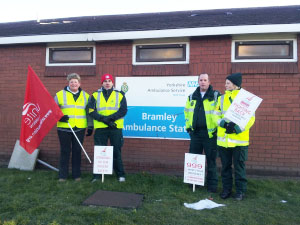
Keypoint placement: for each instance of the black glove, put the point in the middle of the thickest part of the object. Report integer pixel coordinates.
(112, 118)
(65, 119)
(229, 128)
(89, 131)
(189, 130)
(106, 120)
(112, 125)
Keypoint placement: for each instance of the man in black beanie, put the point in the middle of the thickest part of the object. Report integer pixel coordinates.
(232, 141)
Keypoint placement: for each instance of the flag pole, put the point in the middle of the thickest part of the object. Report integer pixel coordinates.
(79, 143)
(46, 164)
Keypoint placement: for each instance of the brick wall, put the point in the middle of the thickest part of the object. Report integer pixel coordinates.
(275, 137)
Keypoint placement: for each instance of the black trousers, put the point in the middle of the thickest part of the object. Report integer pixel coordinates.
(115, 136)
(199, 142)
(68, 144)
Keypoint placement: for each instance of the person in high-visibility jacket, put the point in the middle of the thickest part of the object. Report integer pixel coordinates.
(108, 106)
(201, 126)
(73, 102)
(232, 142)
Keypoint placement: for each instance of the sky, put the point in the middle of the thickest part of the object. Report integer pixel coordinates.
(22, 10)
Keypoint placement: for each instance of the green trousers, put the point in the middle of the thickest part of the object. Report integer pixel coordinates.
(199, 142)
(238, 155)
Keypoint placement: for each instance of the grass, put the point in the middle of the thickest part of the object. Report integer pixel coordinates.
(38, 198)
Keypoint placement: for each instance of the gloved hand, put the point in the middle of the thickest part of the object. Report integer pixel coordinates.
(237, 129)
(112, 125)
(189, 130)
(229, 128)
(64, 119)
(223, 123)
(89, 131)
(106, 120)
(111, 118)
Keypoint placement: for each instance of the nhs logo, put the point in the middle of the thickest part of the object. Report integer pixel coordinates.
(192, 84)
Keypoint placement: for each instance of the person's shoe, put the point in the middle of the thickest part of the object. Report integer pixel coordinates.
(212, 189)
(61, 180)
(239, 196)
(122, 179)
(77, 179)
(225, 194)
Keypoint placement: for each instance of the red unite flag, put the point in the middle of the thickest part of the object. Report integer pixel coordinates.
(40, 113)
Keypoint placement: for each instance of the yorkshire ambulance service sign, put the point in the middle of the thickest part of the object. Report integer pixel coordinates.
(156, 105)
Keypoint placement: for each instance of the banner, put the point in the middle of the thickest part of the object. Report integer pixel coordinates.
(156, 105)
(40, 113)
(194, 169)
(243, 108)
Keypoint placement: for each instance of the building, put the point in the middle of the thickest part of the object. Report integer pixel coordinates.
(261, 43)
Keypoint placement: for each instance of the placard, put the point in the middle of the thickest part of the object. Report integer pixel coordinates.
(103, 160)
(194, 169)
(243, 108)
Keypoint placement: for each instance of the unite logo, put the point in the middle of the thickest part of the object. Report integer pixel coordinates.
(31, 113)
(103, 152)
(247, 101)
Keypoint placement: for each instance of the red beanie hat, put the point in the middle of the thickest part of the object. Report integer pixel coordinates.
(107, 77)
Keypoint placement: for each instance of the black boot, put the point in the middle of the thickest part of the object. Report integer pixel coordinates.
(225, 194)
(239, 196)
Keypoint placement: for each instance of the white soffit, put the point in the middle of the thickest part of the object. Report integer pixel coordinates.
(168, 33)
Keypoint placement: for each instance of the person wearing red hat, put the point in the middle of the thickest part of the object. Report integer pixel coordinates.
(108, 106)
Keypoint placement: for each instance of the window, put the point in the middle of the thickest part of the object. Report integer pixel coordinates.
(160, 54)
(63, 56)
(276, 51)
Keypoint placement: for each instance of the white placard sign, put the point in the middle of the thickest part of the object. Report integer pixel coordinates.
(243, 108)
(103, 160)
(194, 169)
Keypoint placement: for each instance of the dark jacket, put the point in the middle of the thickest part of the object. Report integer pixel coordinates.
(199, 120)
(106, 93)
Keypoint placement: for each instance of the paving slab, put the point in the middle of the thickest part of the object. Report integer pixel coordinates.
(115, 199)
(20, 159)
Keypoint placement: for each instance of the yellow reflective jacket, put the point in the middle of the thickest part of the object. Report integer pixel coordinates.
(209, 106)
(230, 140)
(76, 110)
(109, 107)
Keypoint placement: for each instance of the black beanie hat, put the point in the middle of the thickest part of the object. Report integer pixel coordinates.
(235, 78)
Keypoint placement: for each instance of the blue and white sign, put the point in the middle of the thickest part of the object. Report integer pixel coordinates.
(156, 105)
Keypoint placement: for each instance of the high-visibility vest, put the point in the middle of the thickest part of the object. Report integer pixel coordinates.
(230, 140)
(209, 106)
(75, 110)
(109, 107)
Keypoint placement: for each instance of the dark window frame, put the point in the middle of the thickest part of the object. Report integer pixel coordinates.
(56, 49)
(160, 46)
(290, 43)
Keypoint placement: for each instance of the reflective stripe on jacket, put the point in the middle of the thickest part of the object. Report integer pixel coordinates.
(109, 107)
(209, 107)
(230, 140)
(75, 110)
